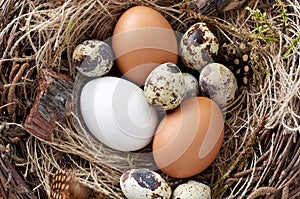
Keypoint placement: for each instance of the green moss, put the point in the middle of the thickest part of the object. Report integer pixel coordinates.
(291, 47)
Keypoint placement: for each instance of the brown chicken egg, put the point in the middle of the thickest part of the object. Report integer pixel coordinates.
(143, 39)
(188, 139)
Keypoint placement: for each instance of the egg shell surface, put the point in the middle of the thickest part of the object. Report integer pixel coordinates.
(198, 46)
(165, 87)
(192, 190)
(143, 39)
(191, 86)
(189, 138)
(93, 58)
(144, 183)
(218, 83)
(117, 113)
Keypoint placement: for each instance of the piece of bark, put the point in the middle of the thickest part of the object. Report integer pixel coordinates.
(52, 104)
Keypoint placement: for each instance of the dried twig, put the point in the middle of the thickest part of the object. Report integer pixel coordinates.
(262, 191)
(50, 32)
(11, 97)
(244, 153)
(247, 171)
(13, 72)
(14, 184)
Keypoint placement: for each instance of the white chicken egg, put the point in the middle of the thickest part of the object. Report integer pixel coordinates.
(165, 87)
(192, 190)
(218, 83)
(144, 183)
(117, 113)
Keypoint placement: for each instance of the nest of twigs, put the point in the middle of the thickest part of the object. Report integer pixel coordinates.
(260, 156)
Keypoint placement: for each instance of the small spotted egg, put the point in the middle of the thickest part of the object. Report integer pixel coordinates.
(165, 87)
(218, 83)
(198, 46)
(93, 58)
(191, 86)
(192, 190)
(144, 183)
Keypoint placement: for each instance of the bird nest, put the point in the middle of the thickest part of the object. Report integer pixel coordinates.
(260, 154)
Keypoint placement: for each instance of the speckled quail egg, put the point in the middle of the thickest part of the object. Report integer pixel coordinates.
(165, 87)
(93, 58)
(217, 82)
(198, 46)
(144, 183)
(192, 190)
(191, 86)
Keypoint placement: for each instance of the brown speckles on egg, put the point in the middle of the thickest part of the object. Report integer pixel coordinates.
(165, 87)
(154, 195)
(144, 183)
(196, 37)
(173, 68)
(198, 46)
(146, 179)
(218, 83)
(93, 58)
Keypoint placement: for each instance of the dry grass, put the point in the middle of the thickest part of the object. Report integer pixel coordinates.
(260, 155)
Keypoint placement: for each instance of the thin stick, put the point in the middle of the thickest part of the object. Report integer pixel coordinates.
(11, 92)
(262, 191)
